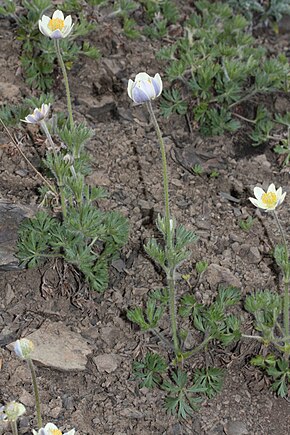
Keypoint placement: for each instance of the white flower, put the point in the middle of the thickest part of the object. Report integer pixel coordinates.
(12, 411)
(269, 200)
(56, 27)
(23, 348)
(52, 429)
(37, 115)
(144, 88)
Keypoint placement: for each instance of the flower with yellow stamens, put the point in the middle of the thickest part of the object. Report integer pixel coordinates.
(269, 200)
(52, 429)
(56, 27)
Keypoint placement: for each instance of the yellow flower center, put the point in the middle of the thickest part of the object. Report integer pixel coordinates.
(56, 24)
(269, 199)
(55, 432)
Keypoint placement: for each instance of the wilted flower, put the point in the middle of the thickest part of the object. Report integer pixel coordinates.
(37, 115)
(23, 348)
(12, 411)
(56, 27)
(144, 88)
(52, 429)
(269, 200)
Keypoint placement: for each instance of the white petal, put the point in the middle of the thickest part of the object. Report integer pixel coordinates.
(68, 21)
(58, 14)
(44, 29)
(279, 192)
(142, 76)
(271, 188)
(281, 199)
(258, 192)
(157, 78)
(45, 20)
(129, 88)
(254, 201)
(50, 426)
(66, 31)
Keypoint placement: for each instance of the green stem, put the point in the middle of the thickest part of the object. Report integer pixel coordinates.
(168, 238)
(62, 65)
(36, 393)
(172, 310)
(286, 281)
(62, 200)
(165, 175)
(197, 349)
(47, 134)
(14, 427)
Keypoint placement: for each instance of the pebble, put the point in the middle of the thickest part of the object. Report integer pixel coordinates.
(107, 362)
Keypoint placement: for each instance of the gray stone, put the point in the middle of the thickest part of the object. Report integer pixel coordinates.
(11, 215)
(108, 362)
(236, 428)
(56, 346)
(218, 275)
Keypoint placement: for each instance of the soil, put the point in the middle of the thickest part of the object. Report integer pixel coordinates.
(126, 161)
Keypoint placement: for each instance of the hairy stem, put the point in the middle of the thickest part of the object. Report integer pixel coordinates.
(165, 175)
(14, 429)
(47, 134)
(62, 65)
(286, 282)
(172, 310)
(36, 393)
(197, 349)
(168, 232)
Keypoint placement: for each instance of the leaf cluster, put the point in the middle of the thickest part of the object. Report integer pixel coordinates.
(183, 395)
(261, 11)
(218, 65)
(214, 320)
(170, 256)
(276, 368)
(85, 236)
(266, 307)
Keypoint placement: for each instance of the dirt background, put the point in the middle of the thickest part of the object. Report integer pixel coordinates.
(126, 161)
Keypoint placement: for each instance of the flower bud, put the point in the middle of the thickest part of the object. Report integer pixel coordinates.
(23, 348)
(144, 88)
(12, 411)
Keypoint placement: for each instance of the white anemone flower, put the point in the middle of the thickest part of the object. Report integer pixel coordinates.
(144, 88)
(56, 27)
(52, 429)
(269, 200)
(37, 115)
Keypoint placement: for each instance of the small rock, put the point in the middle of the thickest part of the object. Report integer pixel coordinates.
(131, 413)
(9, 294)
(107, 362)
(236, 428)
(102, 109)
(217, 275)
(58, 347)
(11, 216)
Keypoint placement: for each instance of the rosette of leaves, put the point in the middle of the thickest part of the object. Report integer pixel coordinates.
(85, 236)
(216, 66)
